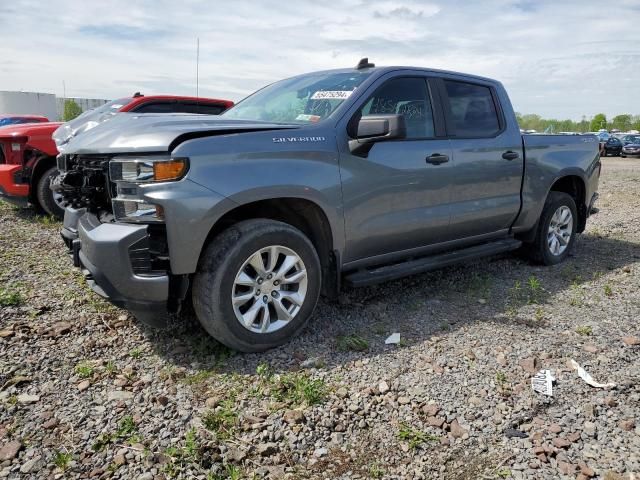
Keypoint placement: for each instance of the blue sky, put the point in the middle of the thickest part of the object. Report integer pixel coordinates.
(562, 59)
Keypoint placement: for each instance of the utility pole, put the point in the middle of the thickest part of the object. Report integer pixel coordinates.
(198, 67)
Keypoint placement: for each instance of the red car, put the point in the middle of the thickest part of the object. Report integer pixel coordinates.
(17, 119)
(28, 151)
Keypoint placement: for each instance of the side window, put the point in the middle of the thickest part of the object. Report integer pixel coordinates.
(474, 112)
(158, 107)
(212, 109)
(200, 108)
(406, 96)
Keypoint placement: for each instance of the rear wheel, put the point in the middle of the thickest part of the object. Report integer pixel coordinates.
(49, 201)
(556, 231)
(257, 285)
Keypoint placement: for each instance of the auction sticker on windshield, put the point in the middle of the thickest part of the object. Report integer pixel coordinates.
(331, 95)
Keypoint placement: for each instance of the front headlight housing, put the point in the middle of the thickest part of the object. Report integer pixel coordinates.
(129, 172)
(147, 169)
(137, 211)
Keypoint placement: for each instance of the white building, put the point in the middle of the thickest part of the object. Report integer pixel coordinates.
(47, 104)
(29, 103)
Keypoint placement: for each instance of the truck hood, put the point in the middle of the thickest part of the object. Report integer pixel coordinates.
(158, 132)
(29, 129)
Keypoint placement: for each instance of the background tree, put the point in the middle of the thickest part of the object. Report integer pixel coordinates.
(621, 122)
(598, 122)
(71, 110)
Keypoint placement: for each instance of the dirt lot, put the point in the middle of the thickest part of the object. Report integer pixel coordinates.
(88, 392)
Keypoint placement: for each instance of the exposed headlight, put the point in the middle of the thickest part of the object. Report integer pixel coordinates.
(147, 169)
(132, 210)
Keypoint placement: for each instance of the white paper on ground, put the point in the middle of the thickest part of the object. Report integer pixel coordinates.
(542, 382)
(394, 339)
(583, 374)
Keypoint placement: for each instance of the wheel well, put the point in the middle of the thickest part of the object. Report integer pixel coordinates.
(303, 214)
(574, 186)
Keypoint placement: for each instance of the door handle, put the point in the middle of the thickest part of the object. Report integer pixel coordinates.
(437, 159)
(509, 155)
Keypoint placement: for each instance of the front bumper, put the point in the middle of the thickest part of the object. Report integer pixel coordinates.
(103, 251)
(10, 190)
(631, 154)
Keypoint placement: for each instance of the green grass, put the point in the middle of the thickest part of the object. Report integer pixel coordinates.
(110, 368)
(62, 459)
(84, 370)
(415, 438)
(375, 471)
(584, 330)
(231, 472)
(300, 389)
(47, 220)
(608, 291)
(135, 353)
(354, 343)
(264, 371)
(503, 472)
(183, 456)
(126, 431)
(535, 289)
(10, 297)
(503, 384)
(199, 377)
(222, 421)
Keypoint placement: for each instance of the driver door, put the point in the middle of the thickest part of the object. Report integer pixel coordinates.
(396, 199)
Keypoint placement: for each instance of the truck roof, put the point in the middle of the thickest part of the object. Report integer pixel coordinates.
(140, 99)
(386, 69)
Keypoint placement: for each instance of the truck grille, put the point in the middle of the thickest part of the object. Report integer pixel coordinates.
(84, 182)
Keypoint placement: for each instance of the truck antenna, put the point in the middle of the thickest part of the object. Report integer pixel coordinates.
(364, 63)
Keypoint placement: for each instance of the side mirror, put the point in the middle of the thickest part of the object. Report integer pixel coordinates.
(376, 128)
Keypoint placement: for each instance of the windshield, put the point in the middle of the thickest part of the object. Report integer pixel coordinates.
(87, 121)
(109, 108)
(301, 100)
(632, 139)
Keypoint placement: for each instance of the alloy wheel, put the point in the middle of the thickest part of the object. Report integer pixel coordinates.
(269, 289)
(560, 230)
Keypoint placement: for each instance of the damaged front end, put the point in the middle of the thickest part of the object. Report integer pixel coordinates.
(123, 255)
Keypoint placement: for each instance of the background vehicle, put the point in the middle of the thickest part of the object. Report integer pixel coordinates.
(354, 176)
(18, 119)
(631, 150)
(612, 146)
(28, 152)
(627, 139)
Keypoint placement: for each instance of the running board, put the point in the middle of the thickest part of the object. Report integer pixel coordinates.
(424, 264)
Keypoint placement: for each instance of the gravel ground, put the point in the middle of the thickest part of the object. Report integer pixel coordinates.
(87, 392)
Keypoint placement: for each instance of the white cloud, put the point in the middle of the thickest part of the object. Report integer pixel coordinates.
(560, 59)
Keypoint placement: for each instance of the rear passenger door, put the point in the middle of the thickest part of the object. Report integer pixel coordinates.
(487, 160)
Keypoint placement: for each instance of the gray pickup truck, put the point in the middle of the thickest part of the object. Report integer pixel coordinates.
(352, 176)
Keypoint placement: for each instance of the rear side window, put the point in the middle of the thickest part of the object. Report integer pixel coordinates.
(200, 108)
(157, 107)
(473, 109)
(406, 96)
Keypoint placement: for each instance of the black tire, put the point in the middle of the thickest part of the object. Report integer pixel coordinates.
(223, 258)
(539, 250)
(44, 195)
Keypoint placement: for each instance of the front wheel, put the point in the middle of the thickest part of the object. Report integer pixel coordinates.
(556, 231)
(48, 200)
(257, 284)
